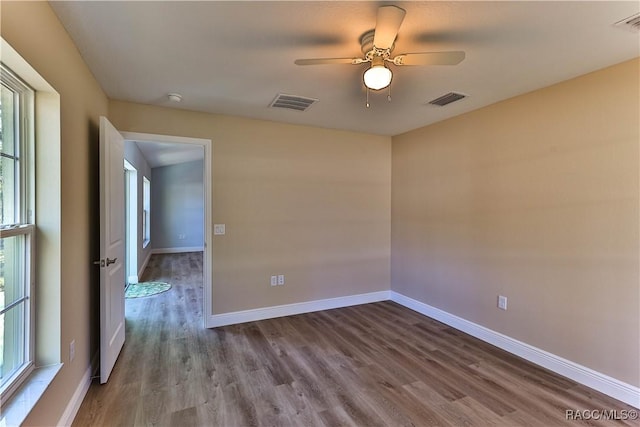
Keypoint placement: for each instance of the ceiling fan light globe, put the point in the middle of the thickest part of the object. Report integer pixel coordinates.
(377, 77)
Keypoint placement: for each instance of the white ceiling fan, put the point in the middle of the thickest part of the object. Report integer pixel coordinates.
(377, 45)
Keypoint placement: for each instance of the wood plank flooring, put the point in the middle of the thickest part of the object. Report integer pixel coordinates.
(370, 365)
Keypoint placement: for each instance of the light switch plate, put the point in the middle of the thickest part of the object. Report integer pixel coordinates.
(502, 302)
(218, 229)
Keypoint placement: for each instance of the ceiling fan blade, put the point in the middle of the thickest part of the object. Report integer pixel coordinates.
(387, 25)
(429, 58)
(320, 61)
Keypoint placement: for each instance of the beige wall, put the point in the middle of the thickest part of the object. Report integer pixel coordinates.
(535, 198)
(34, 31)
(310, 203)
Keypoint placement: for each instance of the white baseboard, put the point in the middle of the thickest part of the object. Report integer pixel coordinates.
(132, 279)
(73, 406)
(292, 309)
(177, 250)
(603, 383)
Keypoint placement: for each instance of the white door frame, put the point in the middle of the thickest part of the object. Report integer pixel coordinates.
(207, 264)
(131, 215)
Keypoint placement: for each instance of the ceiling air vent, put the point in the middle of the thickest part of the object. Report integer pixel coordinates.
(447, 99)
(631, 23)
(292, 102)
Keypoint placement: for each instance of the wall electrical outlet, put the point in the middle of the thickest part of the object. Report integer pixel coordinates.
(281, 279)
(274, 280)
(182, 236)
(502, 302)
(72, 350)
(219, 229)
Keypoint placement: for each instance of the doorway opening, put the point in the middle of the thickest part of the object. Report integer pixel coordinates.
(180, 220)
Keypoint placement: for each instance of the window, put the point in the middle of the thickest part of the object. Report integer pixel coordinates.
(146, 211)
(17, 230)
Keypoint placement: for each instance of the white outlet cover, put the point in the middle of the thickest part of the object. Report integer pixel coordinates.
(218, 229)
(502, 302)
(274, 280)
(281, 279)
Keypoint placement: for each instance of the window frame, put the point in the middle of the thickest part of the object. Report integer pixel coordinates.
(23, 221)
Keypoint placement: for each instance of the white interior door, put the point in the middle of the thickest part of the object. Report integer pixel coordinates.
(112, 247)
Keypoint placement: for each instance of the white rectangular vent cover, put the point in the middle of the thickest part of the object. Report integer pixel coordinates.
(447, 99)
(631, 23)
(292, 102)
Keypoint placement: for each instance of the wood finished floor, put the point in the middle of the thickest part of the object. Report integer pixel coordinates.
(370, 365)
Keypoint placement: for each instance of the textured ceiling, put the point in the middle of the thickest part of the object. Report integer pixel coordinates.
(235, 57)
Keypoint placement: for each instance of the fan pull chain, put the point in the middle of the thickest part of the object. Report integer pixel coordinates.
(388, 97)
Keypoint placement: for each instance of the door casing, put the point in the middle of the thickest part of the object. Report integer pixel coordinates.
(207, 265)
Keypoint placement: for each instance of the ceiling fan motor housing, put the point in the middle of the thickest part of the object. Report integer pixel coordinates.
(368, 49)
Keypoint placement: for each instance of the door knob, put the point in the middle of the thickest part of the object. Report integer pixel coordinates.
(111, 261)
